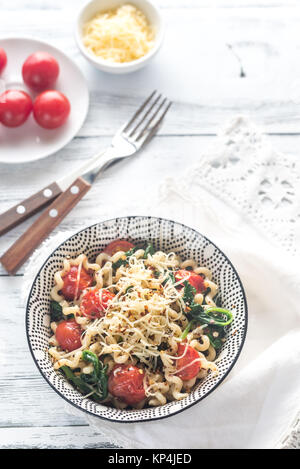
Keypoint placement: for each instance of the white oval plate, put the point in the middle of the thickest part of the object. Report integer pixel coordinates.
(30, 142)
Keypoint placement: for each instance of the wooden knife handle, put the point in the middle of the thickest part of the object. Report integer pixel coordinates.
(20, 212)
(19, 252)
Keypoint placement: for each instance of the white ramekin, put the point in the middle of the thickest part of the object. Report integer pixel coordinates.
(97, 6)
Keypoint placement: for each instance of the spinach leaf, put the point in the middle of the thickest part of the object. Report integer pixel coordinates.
(215, 335)
(149, 250)
(121, 261)
(202, 318)
(212, 315)
(56, 313)
(170, 277)
(215, 317)
(197, 314)
(99, 376)
(95, 382)
(215, 342)
(81, 385)
(92, 358)
(188, 293)
(131, 251)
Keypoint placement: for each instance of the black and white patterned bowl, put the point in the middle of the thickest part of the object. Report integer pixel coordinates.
(167, 236)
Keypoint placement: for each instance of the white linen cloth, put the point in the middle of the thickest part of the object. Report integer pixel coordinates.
(231, 192)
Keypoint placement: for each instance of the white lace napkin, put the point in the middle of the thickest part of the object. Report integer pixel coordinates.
(245, 197)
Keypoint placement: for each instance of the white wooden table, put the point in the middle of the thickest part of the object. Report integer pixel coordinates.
(207, 43)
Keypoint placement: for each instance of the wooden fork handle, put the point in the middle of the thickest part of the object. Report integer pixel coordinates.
(19, 252)
(20, 212)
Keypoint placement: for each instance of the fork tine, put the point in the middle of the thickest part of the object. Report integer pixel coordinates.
(151, 133)
(140, 109)
(144, 116)
(147, 127)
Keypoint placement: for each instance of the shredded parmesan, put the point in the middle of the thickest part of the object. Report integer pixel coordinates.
(119, 35)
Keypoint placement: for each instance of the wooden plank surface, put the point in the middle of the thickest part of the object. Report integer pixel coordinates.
(199, 70)
(165, 156)
(198, 65)
(75, 437)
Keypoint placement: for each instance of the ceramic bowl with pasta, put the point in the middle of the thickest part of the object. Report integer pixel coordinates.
(136, 318)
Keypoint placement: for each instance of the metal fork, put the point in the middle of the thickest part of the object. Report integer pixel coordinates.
(127, 141)
(134, 134)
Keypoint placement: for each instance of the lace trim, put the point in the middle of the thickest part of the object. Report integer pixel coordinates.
(291, 439)
(249, 176)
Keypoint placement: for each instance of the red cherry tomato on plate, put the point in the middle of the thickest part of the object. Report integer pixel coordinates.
(74, 286)
(192, 369)
(94, 302)
(127, 383)
(15, 107)
(51, 109)
(3, 59)
(197, 281)
(40, 71)
(118, 245)
(68, 334)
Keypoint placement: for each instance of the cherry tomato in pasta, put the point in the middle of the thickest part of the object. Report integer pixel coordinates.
(75, 282)
(68, 334)
(127, 383)
(94, 302)
(3, 59)
(188, 367)
(15, 107)
(197, 281)
(40, 71)
(118, 245)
